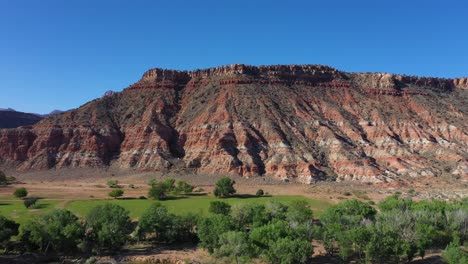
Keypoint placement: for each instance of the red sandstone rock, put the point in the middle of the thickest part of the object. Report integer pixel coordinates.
(287, 121)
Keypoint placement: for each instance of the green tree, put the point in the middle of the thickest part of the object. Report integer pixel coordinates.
(343, 226)
(276, 210)
(217, 207)
(210, 229)
(159, 225)
(288, 251)
(58, 231)
(235, 245)
(453, 254)
(116, 193)
(299, 212)
(169, 184)
(8, 228)
(108, 227)
(383, 245)
(259, 192)
(263, 236)
(158, 191)
(20, 192)
(224, 187)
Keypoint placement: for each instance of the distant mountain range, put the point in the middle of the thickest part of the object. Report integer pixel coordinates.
(10, 118)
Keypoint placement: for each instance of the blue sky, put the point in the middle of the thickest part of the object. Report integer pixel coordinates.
(57, 54)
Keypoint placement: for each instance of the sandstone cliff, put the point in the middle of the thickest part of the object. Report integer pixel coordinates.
(306, 122)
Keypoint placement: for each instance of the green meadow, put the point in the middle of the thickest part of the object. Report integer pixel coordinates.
(14, 209)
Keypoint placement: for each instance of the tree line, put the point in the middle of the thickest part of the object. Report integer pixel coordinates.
(397, 230)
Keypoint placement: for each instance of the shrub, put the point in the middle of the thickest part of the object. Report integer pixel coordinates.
(235, 245)
(183, 187)
(8, 228)
(453, 254)
(209, 231)
(259, 192)
(113, 183)
(151, 182)
(116, 193)
(224, 187)
(288, 250)
(108, 227)
(158, 191)
(20, 192)
(166, 227)
(131, 186)
(29, 202)
(217, 207)
(199, 190)
(59, 231)
(3, 178)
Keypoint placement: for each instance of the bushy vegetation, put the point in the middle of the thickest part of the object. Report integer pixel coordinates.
(58, 231)
(20, 192)
(107, 228)
(397, 231)
(402, 230)
(217, 207)
(8, 229)
(162, 190)
(116, 193)
(113, 183)
(3, 178)
(30, 202)
(224, 187)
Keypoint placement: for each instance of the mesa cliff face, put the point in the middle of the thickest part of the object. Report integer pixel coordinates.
(306, 122)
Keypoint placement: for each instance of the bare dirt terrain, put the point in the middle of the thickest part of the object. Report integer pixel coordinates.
(73, 184)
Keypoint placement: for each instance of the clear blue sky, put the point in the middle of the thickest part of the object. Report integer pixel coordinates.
(60, 54)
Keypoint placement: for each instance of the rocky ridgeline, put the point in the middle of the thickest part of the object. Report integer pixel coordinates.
(304, 122)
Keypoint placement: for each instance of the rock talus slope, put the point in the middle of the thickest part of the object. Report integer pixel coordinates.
(306, 122)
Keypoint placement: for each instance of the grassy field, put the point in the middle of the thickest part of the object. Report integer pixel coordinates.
(180, 205)
(15, 210)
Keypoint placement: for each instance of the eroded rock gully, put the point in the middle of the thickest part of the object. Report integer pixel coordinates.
(306, 122)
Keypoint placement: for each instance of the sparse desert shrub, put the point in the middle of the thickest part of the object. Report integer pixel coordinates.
(116, 193)
(259, 192)
(3, 178)
(347, 194)
(131, 186)
(20, 192)
(142, 197)
(199, 190)
(113, 183)
(183, 187)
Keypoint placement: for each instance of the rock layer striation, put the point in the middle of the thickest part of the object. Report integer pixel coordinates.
(307, 122)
